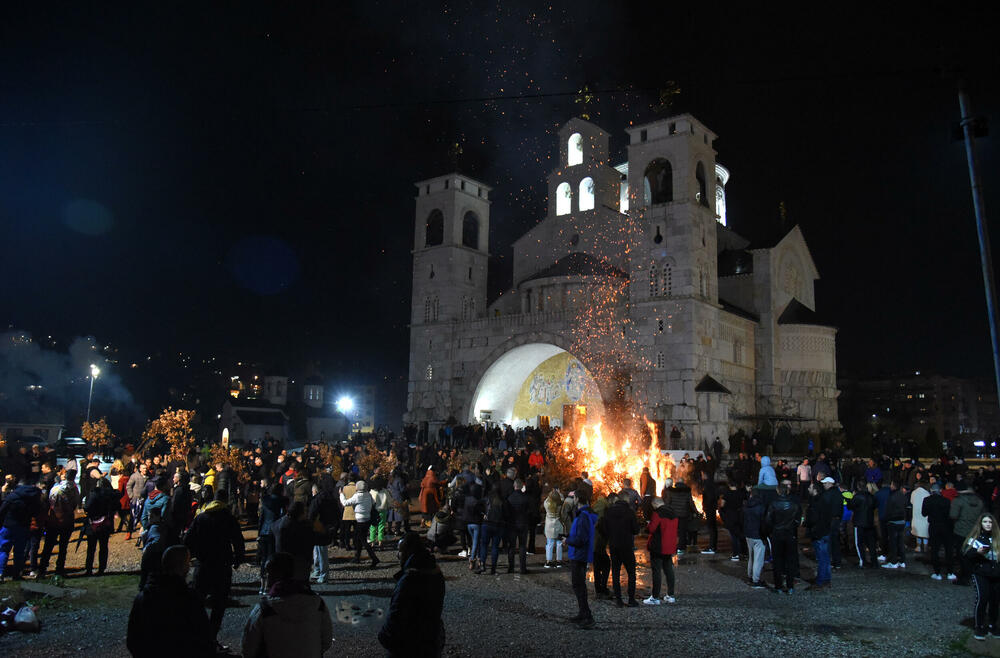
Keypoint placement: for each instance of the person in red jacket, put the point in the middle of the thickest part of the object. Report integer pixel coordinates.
(662, 545)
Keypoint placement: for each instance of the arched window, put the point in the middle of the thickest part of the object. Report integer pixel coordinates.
(654, 281)
(427, 309)
(587, 193)
(435, 229)
(658, 183)
(666, 280)
(659, 359)
(574, 155)
(470, 230)
(699, 175)
(435, 307)
(564, 199)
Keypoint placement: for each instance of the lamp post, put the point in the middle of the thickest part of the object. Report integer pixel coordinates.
(94, 373)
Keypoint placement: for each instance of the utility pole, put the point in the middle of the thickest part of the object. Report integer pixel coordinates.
(969, 124)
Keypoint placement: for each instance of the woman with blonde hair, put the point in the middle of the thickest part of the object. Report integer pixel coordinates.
(980, 548)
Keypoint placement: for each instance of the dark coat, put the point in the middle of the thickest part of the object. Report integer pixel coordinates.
(168, 620)
(413, 625)
(782, 518)
(20, 506)
(753, 516)
(518, 509)
(936, 507)
(863, 507)
(215, 537)
(680, 501)
(620, 526)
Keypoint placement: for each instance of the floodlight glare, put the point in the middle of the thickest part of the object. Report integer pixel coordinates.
(94, 370)
(345, 405)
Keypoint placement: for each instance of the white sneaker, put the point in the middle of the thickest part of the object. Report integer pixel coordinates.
(936, 576)
(708, 551)
(890, 565)
(952, 576)
(651, 601)
(881, 558)
(735, 558)
(901, 565)
(463, 554)
(669, 599)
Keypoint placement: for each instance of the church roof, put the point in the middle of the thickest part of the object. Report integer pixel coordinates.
(261, 416)
(709, 385)
(578, 264)
(736, 310)
(798, 313)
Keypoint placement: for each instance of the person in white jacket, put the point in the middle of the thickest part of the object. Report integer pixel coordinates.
(376, 535)
(363, 504)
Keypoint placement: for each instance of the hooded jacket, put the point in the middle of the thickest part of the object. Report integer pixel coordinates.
(156, 500)
(581, 535)
(766, 476)
(290, 621)
(753, 516)
(215, 536)
(936, 507)
(63, 501)
(20, 506)
(362, 504)
(665, 523)
(965, 511)
(413, 625)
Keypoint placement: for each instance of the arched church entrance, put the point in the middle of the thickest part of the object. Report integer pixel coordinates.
(536, 384)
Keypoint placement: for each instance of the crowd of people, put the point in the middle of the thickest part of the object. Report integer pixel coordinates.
(477, 504)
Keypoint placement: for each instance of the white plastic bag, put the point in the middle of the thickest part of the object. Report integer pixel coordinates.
(26, 620)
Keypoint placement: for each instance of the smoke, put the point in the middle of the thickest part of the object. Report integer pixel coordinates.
(48, 386)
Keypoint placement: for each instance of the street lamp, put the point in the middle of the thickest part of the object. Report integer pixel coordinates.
(94, 373)
(345, 405)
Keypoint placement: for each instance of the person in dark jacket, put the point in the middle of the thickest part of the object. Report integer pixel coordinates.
(980, 548)
(413, 625)
(272, 508)
(180, 508)
(679, 499)
(492, 531)
(16, 512)
(825, 507)
(216, 540)
(325, 507)
(101, 505)
(782, 521)
(168, 619)
(518, 518)
(936, 507)
(620, 527)
(862, 507)
(294, 534)
(895, 518)
(732, 517)
(63, 501)
(753, 518)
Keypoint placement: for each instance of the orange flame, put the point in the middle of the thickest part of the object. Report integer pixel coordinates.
(609, 461)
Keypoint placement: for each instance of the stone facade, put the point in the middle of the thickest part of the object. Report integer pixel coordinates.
(633, 272)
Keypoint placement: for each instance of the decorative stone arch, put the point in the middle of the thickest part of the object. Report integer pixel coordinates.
(471, 229)
(467, 396)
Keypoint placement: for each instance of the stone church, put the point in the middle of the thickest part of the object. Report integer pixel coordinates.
(631, 294)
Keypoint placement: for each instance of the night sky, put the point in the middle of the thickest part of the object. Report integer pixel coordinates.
(237, 181)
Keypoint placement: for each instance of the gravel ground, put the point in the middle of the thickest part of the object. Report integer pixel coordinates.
(865, 613)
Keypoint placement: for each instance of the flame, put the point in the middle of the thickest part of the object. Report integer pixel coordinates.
(609, 461)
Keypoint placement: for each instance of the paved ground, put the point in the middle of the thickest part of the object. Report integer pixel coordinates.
(872, 612)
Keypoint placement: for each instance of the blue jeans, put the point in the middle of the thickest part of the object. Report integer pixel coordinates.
(549, 545)
(822, 548)
(321, 562)
(473, 529)
(491, 542)
(15, 539)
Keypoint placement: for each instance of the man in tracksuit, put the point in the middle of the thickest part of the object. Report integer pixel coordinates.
(863, 508)
(936, 507)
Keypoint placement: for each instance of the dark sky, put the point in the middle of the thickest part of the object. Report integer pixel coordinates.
(237, 181)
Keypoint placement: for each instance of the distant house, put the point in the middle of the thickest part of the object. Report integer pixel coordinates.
(250, 423)
(28, 432)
